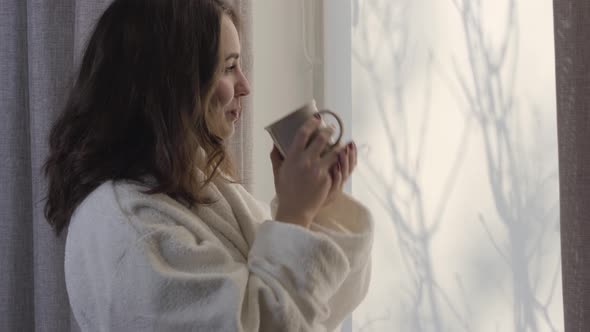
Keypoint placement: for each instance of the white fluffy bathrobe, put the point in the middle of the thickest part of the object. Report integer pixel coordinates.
(137, 262)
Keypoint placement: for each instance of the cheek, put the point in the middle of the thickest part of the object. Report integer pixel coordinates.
(224, 92)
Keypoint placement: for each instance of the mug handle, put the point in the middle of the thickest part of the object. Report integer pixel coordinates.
(340, 125)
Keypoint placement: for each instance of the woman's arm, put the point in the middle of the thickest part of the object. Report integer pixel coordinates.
(170, 280)
(350, 225)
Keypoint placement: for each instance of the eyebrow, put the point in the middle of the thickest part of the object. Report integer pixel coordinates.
(232, 55)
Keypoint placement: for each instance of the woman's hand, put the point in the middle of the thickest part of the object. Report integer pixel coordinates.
(341, 170)
(305, 180)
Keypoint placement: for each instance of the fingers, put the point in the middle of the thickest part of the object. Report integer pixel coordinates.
(320, 141)
(277, 160)
(275, 155)
(344, 158)
(303, 135)
(345, 155)
(353, 156)
(332, 156)
(336, 178)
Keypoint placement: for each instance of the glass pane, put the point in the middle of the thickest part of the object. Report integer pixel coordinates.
(454, 109)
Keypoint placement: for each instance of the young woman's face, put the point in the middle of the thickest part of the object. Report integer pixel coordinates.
(232, 85)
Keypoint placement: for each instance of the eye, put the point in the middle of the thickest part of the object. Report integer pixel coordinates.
(230, 69)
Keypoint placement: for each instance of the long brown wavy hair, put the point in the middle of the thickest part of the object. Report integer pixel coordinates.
(141, 105)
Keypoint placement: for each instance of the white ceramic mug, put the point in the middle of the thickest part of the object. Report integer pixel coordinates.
(283, 131)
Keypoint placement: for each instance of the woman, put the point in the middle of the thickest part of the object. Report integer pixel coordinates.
(160, 237)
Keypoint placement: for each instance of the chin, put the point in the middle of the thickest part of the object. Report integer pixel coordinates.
(230, 135)
(228, 131)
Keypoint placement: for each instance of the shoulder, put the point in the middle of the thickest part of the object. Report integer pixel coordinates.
(112, 200)
(122, 203)
(97, 208)
(114, 217)
(106, 214)
(98, 220)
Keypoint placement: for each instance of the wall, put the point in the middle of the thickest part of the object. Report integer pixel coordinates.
(283, 78)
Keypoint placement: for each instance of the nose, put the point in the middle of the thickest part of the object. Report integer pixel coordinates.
(242, 86)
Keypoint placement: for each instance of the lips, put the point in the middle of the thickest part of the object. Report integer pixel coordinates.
(235, 113)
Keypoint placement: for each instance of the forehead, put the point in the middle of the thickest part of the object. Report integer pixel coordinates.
(230, 41)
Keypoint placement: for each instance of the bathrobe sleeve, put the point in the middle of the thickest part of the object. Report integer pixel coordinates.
(293, 279)
(349, 224)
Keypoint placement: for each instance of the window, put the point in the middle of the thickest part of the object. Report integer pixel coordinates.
(453, 104)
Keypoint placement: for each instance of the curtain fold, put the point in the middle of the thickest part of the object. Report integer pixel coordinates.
(15, 214)
(572, 62)
(40, 43)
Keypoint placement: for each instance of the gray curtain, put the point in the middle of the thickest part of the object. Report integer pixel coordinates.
(40, 44)
(572, 60)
